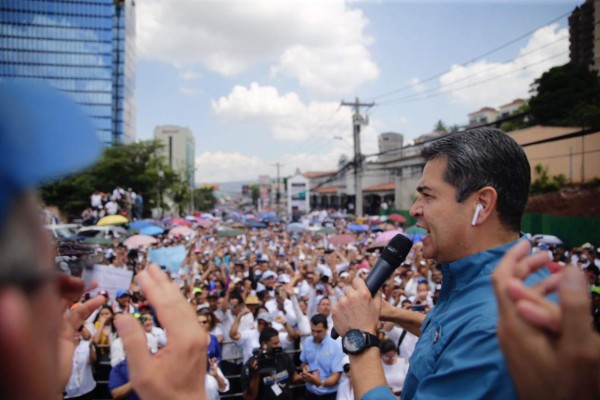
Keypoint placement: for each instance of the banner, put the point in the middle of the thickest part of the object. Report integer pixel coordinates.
(109, 278)
(170, 257)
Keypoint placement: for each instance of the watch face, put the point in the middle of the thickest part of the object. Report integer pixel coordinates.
(353, 341)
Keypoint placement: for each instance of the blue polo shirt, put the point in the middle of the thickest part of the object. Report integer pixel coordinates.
(327, 357)
(458, 354)
(119, 375)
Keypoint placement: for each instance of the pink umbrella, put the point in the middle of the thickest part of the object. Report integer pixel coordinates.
(181, 230)
(337, 240)
(136, 241)
(396, 218)
(179, 221)
(384, 237)
(205, 223)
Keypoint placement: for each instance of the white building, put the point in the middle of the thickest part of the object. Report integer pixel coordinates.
(508, 109)
(482, 117)
(179, 149)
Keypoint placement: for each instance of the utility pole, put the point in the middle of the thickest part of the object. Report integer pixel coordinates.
(357, 121)
(278, 192)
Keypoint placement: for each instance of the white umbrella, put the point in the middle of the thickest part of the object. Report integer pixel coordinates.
(550, 240)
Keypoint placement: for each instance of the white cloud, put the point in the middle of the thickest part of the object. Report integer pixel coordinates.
(224, 167)
(416, 85)
(190, 74)
(220, 166)
(190, 91)
(507, 81)
(286, 116)
(320, 43)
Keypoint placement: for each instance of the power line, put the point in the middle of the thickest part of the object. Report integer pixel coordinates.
(493, 67)
(413, 97)
(487, 53)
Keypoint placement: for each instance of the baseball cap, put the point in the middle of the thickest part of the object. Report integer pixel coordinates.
(267, 275)
(265, 317)
(43, 135)
(121, 293)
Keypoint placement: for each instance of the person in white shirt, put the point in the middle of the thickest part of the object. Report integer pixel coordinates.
(159, 334)
(111, 207)
(394, 367)
(82, 381)
(215, 382)
(345, 390)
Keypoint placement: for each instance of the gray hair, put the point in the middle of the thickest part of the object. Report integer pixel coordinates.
(486, 157)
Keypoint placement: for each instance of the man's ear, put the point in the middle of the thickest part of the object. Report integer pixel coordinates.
(487, 197)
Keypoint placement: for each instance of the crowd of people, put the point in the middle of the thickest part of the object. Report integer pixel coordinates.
(118, 202)
(488, 326)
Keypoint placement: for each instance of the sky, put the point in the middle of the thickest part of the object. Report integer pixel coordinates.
(261, 82)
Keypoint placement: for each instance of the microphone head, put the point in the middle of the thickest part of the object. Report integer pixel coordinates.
(397, 250)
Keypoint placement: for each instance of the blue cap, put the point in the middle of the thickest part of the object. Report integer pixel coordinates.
(121, 293)
(43, 135)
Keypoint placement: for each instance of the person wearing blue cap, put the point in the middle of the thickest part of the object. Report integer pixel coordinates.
(45, 135)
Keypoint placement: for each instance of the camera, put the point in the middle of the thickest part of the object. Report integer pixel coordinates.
(265, 358)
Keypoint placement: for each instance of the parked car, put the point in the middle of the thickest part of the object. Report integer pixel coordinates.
(63, 231)
(111, 231)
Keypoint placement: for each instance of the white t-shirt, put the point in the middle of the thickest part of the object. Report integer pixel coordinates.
(81, 380)
(345, 391)
(96, 200)
(395, 373)
(111, 208)
(248, 341)
(407, 347)
(211, 386)
(160, 336)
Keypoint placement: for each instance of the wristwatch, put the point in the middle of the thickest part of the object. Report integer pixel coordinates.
(356, 341)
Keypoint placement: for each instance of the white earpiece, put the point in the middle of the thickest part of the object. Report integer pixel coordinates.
(478, 209)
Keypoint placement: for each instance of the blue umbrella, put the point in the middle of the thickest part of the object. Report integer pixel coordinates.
(358, 228)
(255, 224)
(151, 231)
(140, 224)
(295, 227)
(266, 215)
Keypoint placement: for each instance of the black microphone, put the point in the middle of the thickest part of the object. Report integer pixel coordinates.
(391, 257)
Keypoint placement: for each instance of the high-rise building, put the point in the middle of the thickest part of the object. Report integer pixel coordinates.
(84, 47)
(179, 149)
(584, 35)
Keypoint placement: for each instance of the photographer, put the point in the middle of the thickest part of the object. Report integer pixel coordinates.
(269, 372)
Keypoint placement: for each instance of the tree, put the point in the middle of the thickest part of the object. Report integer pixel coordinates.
(139, 166)
(204, 198)
(568, 95)
(440, 127)
(255, 193)
(519, 122)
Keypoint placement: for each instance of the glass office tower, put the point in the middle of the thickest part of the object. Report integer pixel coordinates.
(82, 47)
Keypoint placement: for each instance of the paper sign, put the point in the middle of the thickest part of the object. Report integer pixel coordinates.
(171, 257)
(109, 278)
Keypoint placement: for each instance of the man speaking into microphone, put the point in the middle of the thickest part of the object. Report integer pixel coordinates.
(472, 196)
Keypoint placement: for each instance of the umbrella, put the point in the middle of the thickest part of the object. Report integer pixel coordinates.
(295, 227)
(266, 215)
(229, 233)
(327, 231)
(396, 218)
(338, 240)
(250, 216)
(190, 218)
(151, 231)
(112, 220)
(99, 240)
(142, 223)
(136, 241)
(550, 240)
(255, 224)
(181, 230)
(207, 216)
(415, 230)
(384, 237)
(179, 221)
(205, 223)
(358, 228)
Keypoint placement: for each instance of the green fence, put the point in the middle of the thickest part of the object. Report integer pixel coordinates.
(574, 231)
